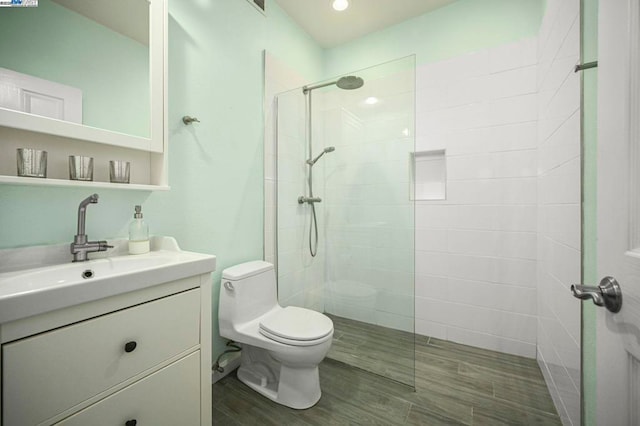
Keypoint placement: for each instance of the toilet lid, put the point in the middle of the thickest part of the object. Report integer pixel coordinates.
(297, 324)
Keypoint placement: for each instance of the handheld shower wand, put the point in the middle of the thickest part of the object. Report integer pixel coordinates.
(326, 150)
(302, 199)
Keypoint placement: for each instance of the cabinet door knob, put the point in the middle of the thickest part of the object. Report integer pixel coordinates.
(133, 422)
(130, 347)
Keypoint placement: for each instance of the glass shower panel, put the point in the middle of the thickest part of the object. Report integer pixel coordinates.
(300, 275)
(362, 275)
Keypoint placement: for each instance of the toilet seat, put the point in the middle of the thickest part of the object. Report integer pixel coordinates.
(297, 326)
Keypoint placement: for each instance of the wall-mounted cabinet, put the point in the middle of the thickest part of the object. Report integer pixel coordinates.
(114, 53)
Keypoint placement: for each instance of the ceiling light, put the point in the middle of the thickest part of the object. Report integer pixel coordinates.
(371, 101)
(340, 5)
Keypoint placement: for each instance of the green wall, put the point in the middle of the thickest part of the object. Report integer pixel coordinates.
(57, 44)
(589, 31)
(215, 167)
(464, 26)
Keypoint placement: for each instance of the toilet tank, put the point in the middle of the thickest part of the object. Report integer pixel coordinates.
(247, 291)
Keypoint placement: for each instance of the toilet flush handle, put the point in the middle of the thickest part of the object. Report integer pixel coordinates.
(229, 286)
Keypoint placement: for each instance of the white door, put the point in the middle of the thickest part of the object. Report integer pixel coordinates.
(618, 335)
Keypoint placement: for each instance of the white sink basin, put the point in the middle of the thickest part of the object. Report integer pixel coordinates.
(32, 291)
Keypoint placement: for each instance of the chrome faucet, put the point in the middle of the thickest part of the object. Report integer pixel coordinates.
(80, 247)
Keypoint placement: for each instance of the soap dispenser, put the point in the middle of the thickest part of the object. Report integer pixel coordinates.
(138, 234)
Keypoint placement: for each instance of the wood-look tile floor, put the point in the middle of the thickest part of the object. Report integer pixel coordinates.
(454, 385)
(384, 351)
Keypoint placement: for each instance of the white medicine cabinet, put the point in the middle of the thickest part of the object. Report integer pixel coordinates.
(112, 52)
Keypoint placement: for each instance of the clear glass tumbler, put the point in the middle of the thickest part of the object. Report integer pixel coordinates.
(32, 162)
(80, 168)
(119, 171)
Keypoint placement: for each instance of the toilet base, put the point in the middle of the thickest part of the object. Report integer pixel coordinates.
(291, 386)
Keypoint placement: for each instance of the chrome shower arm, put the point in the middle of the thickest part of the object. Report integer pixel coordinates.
(306, 89)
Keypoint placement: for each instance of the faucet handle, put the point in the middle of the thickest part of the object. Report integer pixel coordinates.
(103, 246)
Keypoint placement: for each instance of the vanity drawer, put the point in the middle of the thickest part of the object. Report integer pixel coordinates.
(46, 374)
(169, 397)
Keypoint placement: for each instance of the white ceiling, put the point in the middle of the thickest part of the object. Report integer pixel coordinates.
(330, 28)
(129, 18)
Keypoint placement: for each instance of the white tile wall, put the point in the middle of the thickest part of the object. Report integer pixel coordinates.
(368, 213)
(476, 251)
(505, 244)
(558, 331)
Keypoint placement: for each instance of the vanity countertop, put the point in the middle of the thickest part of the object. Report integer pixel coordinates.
(35, 280)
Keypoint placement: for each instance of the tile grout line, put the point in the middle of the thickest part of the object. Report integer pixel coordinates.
(406, 417)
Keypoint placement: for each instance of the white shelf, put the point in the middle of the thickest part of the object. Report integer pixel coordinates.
(16, 180)
(50, 126)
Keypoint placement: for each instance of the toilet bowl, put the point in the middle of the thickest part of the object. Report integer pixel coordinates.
(281, 347)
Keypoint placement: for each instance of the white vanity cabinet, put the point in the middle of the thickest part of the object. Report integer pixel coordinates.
(167, 397)
(137, 358)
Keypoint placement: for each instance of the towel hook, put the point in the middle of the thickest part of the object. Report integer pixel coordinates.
(188, 120)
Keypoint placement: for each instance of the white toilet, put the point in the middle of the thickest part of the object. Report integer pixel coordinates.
(281, 347)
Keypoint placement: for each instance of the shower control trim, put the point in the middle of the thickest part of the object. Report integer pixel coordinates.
(302, 199)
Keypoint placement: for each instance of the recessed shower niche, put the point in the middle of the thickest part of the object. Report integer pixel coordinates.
(428, 175)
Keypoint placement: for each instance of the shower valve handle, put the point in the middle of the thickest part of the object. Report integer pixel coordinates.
(302, 199)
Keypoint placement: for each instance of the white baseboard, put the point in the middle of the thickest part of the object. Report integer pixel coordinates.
(229, 363)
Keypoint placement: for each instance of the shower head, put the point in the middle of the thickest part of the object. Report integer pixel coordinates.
(349, 82)
(325, 151)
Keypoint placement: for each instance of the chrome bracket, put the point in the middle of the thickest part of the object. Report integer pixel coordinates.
(585, 66)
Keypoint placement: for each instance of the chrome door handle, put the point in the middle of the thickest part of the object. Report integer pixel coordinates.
(607, 294)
